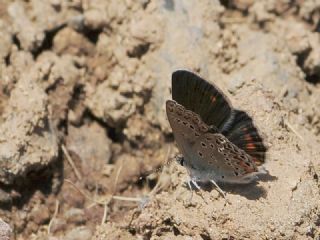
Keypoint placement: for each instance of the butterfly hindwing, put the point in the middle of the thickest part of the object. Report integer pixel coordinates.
(242, 132)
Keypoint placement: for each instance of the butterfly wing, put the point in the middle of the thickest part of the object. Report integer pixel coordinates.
(183, 124)
(208, 155)
(228, 162)
(214, 108)
(201, 97)
(242, 132)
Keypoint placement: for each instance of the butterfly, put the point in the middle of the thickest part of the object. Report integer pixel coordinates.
(218, 143)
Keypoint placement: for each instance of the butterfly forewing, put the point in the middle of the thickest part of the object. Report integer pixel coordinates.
(184, 126)
(201, 97)
(211, 153)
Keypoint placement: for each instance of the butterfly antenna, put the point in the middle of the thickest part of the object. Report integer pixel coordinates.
(159, 169)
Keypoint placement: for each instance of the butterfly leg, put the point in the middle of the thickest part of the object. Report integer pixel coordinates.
(194, 182)
(218, 188)
(189, 184)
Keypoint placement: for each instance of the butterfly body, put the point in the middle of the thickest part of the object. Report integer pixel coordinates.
(208, 153)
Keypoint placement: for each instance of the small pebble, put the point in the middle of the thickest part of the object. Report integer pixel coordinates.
(79, 233)
(75, 216)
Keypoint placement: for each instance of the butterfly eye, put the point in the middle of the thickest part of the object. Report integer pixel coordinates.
(180, 160)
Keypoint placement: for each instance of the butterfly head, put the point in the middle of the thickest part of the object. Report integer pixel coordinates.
(180, 160)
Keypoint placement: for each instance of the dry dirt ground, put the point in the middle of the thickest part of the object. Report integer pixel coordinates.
(83, 85)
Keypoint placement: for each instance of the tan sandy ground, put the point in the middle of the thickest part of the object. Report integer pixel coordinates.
(83, 87)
